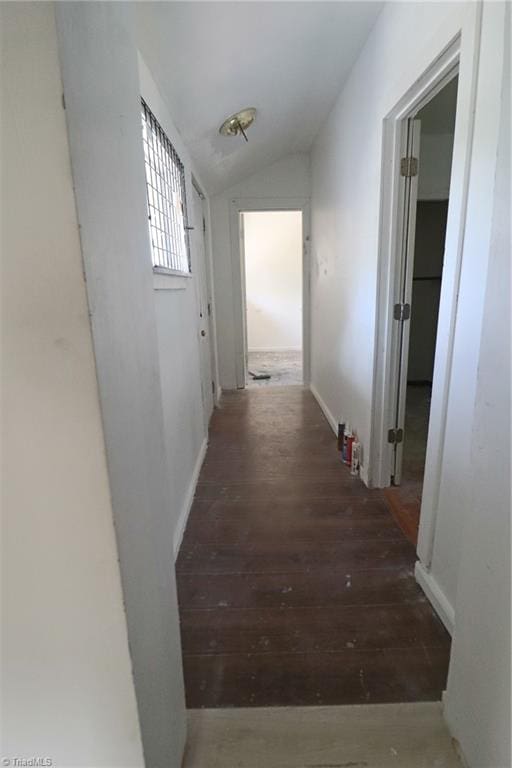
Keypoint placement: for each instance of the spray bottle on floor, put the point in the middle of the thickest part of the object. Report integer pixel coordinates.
(355, 464)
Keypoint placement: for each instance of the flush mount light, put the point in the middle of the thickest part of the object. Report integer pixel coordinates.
(238, 123)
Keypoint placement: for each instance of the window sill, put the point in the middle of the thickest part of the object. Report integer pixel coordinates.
(166, 280)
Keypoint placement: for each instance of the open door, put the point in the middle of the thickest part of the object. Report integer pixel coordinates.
(409, 165)
(204, 309)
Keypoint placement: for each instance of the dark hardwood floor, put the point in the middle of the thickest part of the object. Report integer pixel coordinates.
(404, 500)
(296, 586)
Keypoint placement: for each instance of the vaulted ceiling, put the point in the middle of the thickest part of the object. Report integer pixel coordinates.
(287, 59)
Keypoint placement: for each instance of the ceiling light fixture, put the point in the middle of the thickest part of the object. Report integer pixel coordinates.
(238, 123)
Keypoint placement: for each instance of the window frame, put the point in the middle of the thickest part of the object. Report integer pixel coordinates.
(169, 179)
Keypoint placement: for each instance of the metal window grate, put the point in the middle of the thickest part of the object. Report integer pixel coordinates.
(167, 205)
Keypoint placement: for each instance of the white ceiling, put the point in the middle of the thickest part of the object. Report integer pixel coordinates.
(287, 59)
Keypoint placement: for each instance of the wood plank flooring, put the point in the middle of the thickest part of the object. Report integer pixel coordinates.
(295, 584)
(404, 501)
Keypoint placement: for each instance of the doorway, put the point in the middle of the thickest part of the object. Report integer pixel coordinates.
(238, 209)
(272, 276)
(428, 138)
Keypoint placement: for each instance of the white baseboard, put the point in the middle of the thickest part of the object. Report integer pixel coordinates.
(219, 395)
(185, 510)
(363, 473)
(328, 415)
(436, 596)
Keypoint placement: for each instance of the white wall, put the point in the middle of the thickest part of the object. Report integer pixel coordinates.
(68, 691)
(273, 276)
(177, 313)
(477, 702)
(457, 472)
(285, 179)
(101, 85)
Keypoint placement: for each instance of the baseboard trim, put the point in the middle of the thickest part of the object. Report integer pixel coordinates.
(325, 410)
(436, 596)
(187, 504)
(363, 473)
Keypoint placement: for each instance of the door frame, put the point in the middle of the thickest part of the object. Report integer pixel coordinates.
(202, 284)
(400, 330)
(444, 68)
(208, 252)
(262, 204)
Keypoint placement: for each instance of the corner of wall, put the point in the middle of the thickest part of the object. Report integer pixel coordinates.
(435, 594)
(189, 498)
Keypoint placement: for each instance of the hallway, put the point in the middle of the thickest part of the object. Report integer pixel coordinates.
(214, 589)
(296, 586)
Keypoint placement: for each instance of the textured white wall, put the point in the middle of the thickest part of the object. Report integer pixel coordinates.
(68, 690)
(287, 178)
(457, 470)
(101, 85)
(477, 702)
(273, 276)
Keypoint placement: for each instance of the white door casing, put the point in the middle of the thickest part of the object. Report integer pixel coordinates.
(244, 295)
(203, 308)
(457, 59)
(403, 297)
(238, 207)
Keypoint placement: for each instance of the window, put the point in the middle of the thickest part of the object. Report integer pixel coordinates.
(167, 206)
